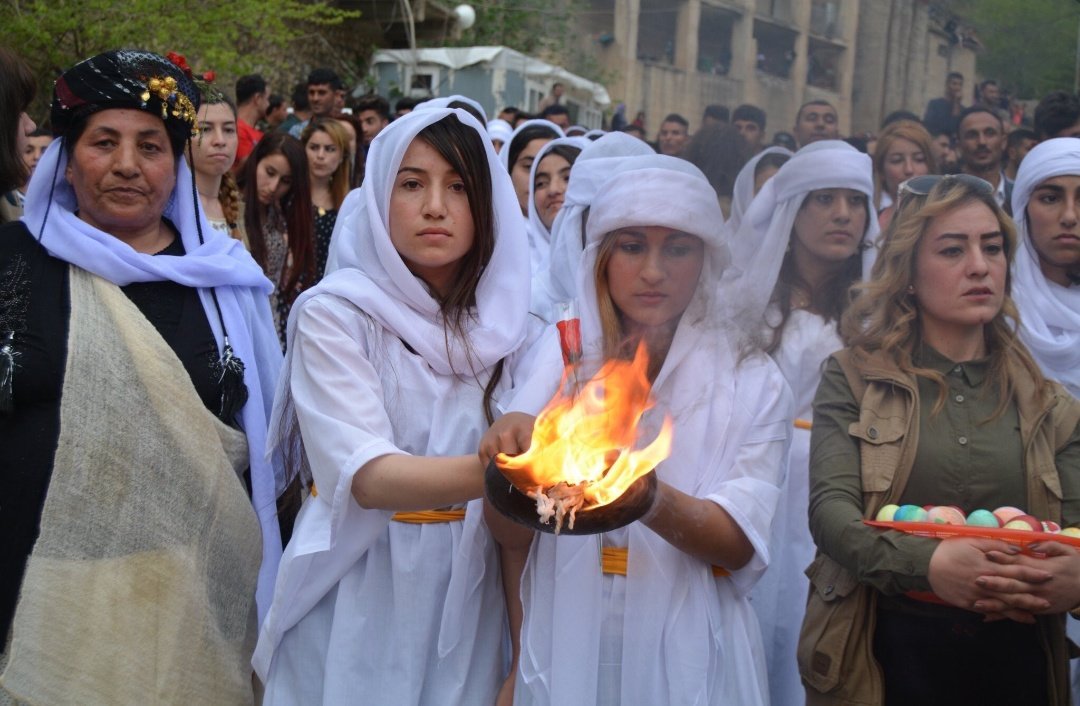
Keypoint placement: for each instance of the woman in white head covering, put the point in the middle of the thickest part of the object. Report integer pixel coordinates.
(456, 101)
(1047, 266)
(549, 180)
(750, 180)
(675, 626)
(518, 154)
(500, 132)
(600, 160)
(395, 359)
(799, 249)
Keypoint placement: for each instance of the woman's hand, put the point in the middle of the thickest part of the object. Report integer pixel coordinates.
(1061, 591)
(959, 568)
(511, 434)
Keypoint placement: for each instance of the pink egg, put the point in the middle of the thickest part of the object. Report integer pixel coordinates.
(946, 515)
(1007, 514)
(1051, 526)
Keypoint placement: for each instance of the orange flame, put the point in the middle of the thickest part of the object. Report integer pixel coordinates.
(589, 438)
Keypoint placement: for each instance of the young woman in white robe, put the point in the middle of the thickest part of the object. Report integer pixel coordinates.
(808, 227)
(677, 628)
(518, 154)
(1046, 271)
(750, 180)
(549, 178)
(392, 360)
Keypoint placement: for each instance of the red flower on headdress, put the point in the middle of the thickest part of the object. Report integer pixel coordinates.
(209, 76)
(180, 62)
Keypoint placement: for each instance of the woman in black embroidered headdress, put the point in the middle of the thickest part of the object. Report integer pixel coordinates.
(138, 359)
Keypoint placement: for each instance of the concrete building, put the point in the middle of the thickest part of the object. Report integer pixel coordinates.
(905, 51)
(866, 57)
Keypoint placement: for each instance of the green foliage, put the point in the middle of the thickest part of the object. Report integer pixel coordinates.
(530, 26)
(546, 29)
(1030, 45)
(231, 37)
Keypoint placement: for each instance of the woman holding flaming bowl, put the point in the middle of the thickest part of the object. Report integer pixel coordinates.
(656, 612)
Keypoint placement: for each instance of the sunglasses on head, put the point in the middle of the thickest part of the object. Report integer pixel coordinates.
(923, 185)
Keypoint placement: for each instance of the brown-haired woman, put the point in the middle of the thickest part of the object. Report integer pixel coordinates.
(16, 92)
(279, 221)
(326, 143)
(904, 150)
(212, 155)
(394, 360)
(936, 401)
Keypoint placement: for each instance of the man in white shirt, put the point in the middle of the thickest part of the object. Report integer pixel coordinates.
(980, 140)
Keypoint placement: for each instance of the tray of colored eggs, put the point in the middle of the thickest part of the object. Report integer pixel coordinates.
(1008, 524)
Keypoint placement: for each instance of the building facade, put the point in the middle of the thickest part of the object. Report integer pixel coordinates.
(866, 57)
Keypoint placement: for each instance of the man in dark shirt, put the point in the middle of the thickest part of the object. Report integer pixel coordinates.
(943, 114)
(1058, 115)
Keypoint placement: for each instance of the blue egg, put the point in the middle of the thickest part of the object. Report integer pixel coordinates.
(911, 513)
(982, 518)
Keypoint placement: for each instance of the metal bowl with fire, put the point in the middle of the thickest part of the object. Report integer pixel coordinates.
(584, 472)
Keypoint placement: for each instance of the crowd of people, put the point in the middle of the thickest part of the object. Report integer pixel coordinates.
(255, 360)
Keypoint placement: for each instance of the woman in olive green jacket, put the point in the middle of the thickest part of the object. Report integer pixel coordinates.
(936, 401)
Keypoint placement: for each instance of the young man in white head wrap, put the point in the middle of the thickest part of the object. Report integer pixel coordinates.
(676, 627)
(797, 249)
(394, 360)
(1047, 267)
(1046, 271)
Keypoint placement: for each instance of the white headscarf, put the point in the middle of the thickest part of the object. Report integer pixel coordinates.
(445, 101)
(743, 192)
(539, 234)
(759, 244)
(499, 129)
(504, 153)
(365, 268)
(220, 263)
(595, 165)
(1049, 313)
(674, 608)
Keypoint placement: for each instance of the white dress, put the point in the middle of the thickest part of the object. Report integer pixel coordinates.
(381, 588)
(669, 632)
(779, 598)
